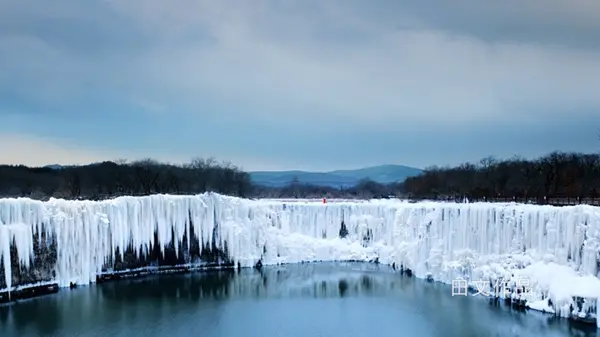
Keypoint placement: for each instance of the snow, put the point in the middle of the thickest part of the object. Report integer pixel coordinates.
(555, 248)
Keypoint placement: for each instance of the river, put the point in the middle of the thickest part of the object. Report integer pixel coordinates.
(304, 300)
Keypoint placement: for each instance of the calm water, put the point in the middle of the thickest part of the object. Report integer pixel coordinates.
(306, 300)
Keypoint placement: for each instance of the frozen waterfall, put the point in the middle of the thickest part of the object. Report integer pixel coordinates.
(555, 248)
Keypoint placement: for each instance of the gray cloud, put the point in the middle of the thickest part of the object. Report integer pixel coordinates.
(570, 23)
(385, 74)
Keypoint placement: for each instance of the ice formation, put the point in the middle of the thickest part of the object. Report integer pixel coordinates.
(555, 248)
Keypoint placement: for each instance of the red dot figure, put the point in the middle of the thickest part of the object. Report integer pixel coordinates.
(324, 201)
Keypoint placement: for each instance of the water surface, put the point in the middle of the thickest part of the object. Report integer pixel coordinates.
(328, 300)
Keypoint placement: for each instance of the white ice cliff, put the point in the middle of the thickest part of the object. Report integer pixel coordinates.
(555, 248)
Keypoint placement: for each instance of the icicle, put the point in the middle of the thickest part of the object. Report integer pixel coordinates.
(440, 240)
(22, 237)
(5, 254)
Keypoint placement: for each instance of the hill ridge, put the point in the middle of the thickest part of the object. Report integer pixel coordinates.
(385, 174)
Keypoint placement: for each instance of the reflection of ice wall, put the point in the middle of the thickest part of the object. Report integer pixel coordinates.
(556, 248)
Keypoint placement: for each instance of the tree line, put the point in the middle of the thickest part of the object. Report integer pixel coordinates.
(112, 179)
(364, 189)
(557, 175)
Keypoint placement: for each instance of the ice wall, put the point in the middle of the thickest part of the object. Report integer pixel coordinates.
(555, 248)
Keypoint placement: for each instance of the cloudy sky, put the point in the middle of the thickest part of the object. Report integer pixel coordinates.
(311, 84)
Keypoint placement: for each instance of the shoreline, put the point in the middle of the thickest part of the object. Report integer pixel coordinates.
(79, 243)
(34, 291)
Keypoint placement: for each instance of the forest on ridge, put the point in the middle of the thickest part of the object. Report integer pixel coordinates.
(557, 175)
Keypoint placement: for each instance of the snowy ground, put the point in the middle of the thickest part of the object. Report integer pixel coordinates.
(554, 249)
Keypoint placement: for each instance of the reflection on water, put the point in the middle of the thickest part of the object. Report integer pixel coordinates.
(295, 300)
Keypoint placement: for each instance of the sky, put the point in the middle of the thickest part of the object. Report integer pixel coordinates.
(297, 84)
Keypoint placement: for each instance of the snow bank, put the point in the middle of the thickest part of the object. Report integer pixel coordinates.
(555, 248)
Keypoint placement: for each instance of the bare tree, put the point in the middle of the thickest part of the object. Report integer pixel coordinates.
(557, 175)
(74, 185)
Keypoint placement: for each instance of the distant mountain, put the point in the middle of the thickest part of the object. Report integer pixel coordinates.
(384, 174)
